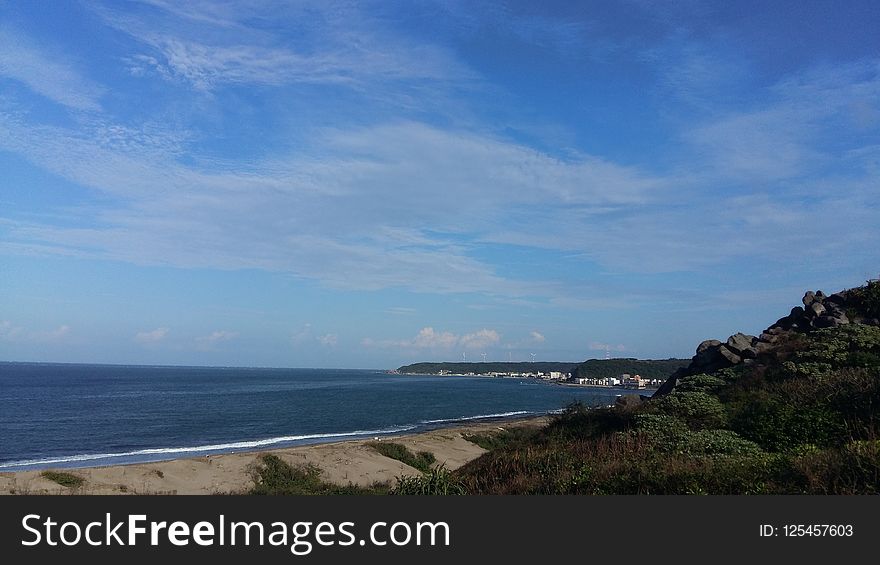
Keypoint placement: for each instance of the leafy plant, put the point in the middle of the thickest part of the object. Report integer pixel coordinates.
(421, 460)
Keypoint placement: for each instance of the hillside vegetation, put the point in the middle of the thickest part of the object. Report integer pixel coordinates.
(793, 411)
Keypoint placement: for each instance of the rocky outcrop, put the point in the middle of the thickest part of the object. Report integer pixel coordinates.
(818, 311)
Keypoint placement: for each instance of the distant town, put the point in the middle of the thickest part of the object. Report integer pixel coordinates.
(624, 380)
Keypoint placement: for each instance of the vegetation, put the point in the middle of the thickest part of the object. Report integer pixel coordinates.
(421, 460)
(64, 479)
(437, 481)
(803, 418)
(647, 368)
(273, 476)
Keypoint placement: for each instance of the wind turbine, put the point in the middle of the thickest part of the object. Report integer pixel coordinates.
(484, 357)
(533, 357)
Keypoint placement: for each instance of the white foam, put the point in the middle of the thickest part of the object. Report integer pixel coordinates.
(199, 449)
(480, 417)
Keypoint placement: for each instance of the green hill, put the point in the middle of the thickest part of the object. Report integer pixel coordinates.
(647, 368)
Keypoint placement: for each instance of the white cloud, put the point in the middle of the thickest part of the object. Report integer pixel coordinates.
(327, 339)
(10, 332)
(151, 336)
(598, 346)
(46, 73)
(221, 45)
(428, 338)
(217, 336)
(13, 333)
(537, 337)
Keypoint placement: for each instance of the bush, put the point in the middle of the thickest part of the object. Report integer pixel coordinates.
(579, 421)
(716, 442)
(421, 460)
(698, 410)
(68, 480)
(273, 476)
(439, 481)
(699, 383)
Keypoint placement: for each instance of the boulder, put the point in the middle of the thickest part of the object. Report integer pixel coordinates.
(808, 298)
(796, 313)
(707, 344)
(629, 401)
(748, 353)
(729, 355)
(768, 336)
(816, 309)
(820, 296)
(739, 342)
(836, 298)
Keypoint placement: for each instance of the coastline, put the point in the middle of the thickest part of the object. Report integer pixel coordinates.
(340, 462)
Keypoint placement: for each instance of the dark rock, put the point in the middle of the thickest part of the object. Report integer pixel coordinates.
(729, 355)
(826, 322)
(763, 346)
(836, 298)
(629, 401)
(873, 322)
(796, 313)
(707, 344)
(808, 298)
(820, 296)
(748, 353)
(774, 330)
(768, 337)
(816, 309)
(739, 342)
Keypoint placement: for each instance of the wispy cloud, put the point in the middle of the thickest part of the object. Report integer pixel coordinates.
(151, 336)
(537, 337)
(428, 338)
(10, 332)
(232, 45)
(329, 339)
(211, 341)
(598, 346)
(45, 72)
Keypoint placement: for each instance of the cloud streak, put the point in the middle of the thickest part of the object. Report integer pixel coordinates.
(47, 74)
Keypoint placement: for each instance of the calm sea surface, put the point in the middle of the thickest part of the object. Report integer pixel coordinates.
(59, 415)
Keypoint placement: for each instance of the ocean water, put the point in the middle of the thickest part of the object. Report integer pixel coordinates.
(65, 415)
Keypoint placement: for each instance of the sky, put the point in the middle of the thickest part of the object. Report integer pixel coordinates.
(370, 184)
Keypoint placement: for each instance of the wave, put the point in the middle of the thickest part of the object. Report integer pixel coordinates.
(480, 417)
(220, 447)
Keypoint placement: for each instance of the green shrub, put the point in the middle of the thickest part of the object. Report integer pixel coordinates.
(699, 383)
(716, 442)
(421, 460)
(438, 481)
(697, 409)
(273, 476)
(64, 479)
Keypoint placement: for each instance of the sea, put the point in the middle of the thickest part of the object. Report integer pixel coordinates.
(72, 415)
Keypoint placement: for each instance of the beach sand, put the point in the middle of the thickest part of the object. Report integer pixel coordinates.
(340, 463)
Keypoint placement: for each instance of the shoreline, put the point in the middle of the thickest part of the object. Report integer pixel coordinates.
(341, 462)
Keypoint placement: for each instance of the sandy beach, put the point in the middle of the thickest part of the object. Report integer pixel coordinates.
(340, 463)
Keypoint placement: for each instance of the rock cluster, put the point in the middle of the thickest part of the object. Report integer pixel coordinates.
(819, 311)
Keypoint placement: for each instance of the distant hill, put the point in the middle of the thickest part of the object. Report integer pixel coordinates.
(647, 368)
(485, 368)
(592, 368)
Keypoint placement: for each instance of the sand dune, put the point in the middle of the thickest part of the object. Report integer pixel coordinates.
(341, 463)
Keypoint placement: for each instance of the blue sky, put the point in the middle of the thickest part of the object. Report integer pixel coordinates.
(356, 184)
